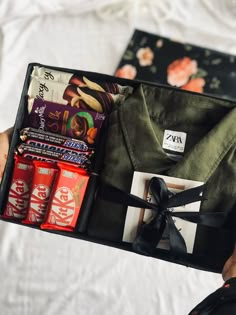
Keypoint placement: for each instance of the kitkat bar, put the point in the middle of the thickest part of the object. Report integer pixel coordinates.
(65, 120)
(80, 80)
(72, 95)
(19, 193)
(31, 134)
(32, 152)
(44, 176)
(67, 197)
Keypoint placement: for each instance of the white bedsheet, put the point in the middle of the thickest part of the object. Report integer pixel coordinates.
(47, 274)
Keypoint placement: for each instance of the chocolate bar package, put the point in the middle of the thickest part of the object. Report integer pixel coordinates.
(28, 135)
(66, 155)
(72, 95)
(68, 121)
(56, 148)
(41, 187)
(146, 133)
(19, 193)
(67, 197)
(81, 81)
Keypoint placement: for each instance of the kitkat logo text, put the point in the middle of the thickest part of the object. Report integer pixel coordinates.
(38, 202)
(62, 207)
(18, 199)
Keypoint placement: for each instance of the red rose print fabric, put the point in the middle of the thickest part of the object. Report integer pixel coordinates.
(157, 59)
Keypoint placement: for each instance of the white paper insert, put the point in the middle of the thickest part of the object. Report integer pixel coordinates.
(135, 216)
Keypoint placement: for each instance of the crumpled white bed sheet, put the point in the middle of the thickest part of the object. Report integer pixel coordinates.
(48, 274)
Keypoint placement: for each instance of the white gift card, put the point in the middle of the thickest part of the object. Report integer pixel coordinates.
(135, 216)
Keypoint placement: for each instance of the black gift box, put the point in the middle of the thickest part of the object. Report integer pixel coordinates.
(203, 263)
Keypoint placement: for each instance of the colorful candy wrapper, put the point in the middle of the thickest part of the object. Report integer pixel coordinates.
(19, 193)
(81, 81)
(44, 175)
(72, 95)
(65, 120)
(56, 148)
(33, 152)
(67, 197)
(31, 134)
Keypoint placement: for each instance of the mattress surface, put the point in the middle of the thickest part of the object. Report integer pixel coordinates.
(43, 273)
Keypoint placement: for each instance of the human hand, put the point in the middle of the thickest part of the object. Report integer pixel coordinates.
(4, 147)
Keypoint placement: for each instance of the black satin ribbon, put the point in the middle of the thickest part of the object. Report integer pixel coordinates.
(150, 234)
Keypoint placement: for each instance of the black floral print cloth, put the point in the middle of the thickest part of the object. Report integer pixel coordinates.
(154, 58)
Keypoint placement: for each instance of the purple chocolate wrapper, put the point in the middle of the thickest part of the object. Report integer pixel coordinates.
(66, 120)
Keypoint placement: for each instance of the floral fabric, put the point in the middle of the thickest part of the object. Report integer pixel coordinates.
(154, 58)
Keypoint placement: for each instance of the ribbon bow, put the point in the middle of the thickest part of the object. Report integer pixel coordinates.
(151, 233)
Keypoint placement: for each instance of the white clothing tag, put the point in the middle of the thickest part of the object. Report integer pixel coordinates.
(174, 141)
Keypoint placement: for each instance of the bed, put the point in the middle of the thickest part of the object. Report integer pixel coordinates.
(42, 273)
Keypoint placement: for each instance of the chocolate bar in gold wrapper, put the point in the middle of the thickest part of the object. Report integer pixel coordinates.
(81, 81)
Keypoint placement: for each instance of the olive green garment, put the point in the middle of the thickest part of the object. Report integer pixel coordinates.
(134, 142)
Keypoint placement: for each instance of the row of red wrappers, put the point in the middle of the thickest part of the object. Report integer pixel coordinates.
(46, 194)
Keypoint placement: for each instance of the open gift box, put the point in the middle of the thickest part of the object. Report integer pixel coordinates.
(159, 130)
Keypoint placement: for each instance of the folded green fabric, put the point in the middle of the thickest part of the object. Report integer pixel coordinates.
(134, 142)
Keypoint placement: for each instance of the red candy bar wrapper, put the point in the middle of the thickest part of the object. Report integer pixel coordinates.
(65, 120)
(81, 81)
(32, 152)
(19, 193)
(28, 134)
(67, 197)
(72, 95)
(44, 175)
